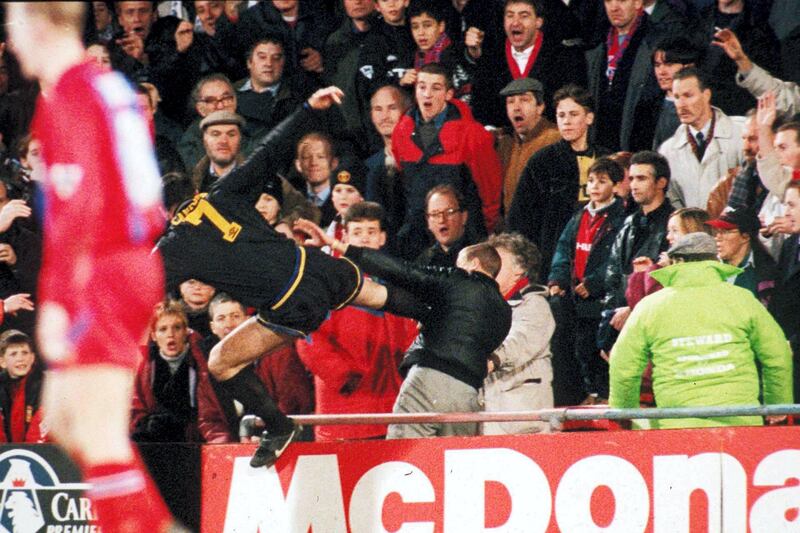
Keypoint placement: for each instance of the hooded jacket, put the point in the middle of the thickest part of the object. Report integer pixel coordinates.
(703, 336)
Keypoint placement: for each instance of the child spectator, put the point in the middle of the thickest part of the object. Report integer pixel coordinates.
(355, 354)
(20, 386)
(165, 390)
(579, 266)
(349, 182)
(428, 28)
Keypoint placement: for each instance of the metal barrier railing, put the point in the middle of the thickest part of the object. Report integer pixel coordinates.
(250, 424)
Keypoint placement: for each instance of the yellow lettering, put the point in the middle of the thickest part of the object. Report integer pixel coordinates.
(199, 208)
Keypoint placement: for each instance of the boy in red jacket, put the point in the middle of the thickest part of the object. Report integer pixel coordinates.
(355, 354)
(20, 389)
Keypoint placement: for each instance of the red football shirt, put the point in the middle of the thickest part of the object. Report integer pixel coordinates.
(102, 213)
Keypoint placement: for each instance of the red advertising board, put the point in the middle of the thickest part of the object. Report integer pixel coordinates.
(718, 480)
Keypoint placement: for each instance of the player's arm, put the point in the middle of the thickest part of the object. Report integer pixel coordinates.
(277, 145)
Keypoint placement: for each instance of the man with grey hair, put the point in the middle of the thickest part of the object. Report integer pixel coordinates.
(706, 339)
(212, 93)
(521, 370)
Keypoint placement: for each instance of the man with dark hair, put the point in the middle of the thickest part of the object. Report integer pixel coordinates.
(527, 52)
(553, 184)
(267, 95)
(530, 131)
(447, 222)
(706, 145)
(438, 141)
(620, 68)
(783, 305)
(707, 339)
(644, 233)
(656, 118)
(464, 319)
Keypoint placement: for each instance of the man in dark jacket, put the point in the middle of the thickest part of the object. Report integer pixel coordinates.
(620, 69)
(784, 306)
(464, 319)
(267, 96)
(553, 184)
(644, 233)
(527, 52)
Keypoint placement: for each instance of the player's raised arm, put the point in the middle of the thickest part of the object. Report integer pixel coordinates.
(277, 145)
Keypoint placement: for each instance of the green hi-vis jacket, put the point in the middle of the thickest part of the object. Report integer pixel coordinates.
(704, 337)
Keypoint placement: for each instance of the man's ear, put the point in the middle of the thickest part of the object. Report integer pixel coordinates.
(297, 166)
(450, 94)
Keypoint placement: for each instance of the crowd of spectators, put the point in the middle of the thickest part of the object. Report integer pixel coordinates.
(583, 138)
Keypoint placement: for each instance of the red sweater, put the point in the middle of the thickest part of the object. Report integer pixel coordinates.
(361, 341)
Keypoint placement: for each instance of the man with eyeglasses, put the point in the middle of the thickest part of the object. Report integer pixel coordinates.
(212, 93)
(447, 222)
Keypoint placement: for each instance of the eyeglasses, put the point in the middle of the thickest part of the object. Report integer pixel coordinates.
(224, 99)
(447, 213)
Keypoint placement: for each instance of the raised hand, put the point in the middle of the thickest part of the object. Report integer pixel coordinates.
(473, 40)
(324, 98)
(11, 211)
(767, 111)
(18, 302)
(316, 236)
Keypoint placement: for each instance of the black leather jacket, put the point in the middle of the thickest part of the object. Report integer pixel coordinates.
(467, 317)
(640, 236)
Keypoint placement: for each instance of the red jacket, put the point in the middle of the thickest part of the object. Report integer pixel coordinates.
(144, 401)
(286, 380)
(352, 341)
(464, 157)
(32, 413)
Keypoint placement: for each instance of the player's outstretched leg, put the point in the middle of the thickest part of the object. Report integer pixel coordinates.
(230, 364)
(95, 434)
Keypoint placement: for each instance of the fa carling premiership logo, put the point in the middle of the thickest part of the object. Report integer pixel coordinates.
(34, 500)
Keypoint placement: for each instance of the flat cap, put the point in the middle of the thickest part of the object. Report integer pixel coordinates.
(697, 243)
(523, 85)
(221, 117)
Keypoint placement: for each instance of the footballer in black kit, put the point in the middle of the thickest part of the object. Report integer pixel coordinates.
(220, 239)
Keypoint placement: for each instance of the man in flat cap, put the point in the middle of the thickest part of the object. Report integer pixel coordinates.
(703, 336)
(529, 132)
(222, 141)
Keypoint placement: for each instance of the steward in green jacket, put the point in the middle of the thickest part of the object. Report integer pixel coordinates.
(704, 337)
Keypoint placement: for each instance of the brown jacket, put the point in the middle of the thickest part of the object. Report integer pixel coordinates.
(515, 152)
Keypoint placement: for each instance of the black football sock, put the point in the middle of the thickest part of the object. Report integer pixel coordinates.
(248, 389)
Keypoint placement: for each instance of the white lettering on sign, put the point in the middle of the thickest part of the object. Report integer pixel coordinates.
(574, 496)
(719, 475)
(702, 340)
(366, 503)
(314, 498)
(769, 512)
(466, 474)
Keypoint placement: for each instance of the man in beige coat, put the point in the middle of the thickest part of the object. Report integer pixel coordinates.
(521, 370)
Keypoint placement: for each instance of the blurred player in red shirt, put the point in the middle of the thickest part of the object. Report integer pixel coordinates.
(99, 282)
